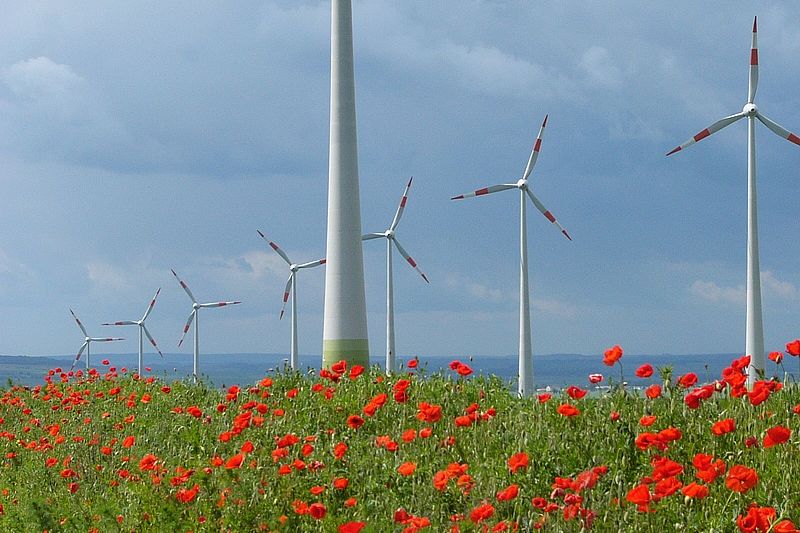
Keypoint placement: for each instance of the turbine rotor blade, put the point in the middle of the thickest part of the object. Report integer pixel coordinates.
(83, 329)
(402, 206)
(370, 236)
(152, 340)
(218, 304)
(286, 292)
(186, 327)
(540, 206)
(410, 260)
(185, 287)
(778, 130)
(120, 323)
(486, 190)
(715, 127)
(152, 304)
(753, 84)
(78, 357)
(535, 152)
(106, 339)
(312, 264)
(276, 248)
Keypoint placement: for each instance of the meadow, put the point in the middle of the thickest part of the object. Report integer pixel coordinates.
(352, 449)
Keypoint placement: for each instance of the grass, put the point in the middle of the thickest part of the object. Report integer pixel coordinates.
(204, 459)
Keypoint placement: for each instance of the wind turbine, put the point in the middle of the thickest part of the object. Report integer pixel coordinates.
(87, 342)
(754, 337)
(390, 237)
(194, 316)
(291, 287)
(525, 351)
(142, 328)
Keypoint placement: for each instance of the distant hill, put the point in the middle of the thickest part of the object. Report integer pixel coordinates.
(555, 370)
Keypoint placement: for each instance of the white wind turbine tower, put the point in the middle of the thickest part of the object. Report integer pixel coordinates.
(754, 337)
(291, 287)
(526, 387)
(390, 237)
(194, 316)
(87, 342)
(142, 329)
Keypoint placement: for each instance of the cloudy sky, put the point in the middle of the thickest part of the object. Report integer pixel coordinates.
(136, 137)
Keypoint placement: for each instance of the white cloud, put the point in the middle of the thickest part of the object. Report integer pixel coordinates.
(599, 68)
(555, 308)
(771, 285)
(710, 291)
(776, 287)
(477, 290)
(40, 77)
(105, 276)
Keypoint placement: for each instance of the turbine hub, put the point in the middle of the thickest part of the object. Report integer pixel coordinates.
(390, 234)
(750, 110)
(293, 267)
(195, 306)
(521, 183)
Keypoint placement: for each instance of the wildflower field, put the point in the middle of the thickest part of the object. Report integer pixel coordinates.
(355, 450)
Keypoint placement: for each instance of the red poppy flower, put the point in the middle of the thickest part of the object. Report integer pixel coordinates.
(741, 479)
(639, 496)
(612, 355)
(793, 348)
(481, 513)
(644, 371)
(575, 393)
(429, 412)
(148, 462)
(594, 379)
(187, 495)
(653, 391)
(667, 487)
(776, 356)
(355, 421)
(339, 367)
(235, 461)
(413, 363)
(518, 461)
(695, 490)
(776, 435)
(647, 420)
(406, 469)
(317, 510)
(723, 426)
(352, 527)
(568, 410)
(544, 397)
(105, 362)
(508, 493)
(340, 483)
(687, 380)
(128, 441)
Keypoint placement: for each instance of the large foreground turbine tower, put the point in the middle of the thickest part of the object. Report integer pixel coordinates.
(345, 329)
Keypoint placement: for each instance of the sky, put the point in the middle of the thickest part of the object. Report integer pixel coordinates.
(136, 137)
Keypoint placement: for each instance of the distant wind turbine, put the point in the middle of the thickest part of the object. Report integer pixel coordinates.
(142, 329)
(291, 287)
(525, 351)
(390, 237)
(754, 336)
(194, 316)
(87, 342)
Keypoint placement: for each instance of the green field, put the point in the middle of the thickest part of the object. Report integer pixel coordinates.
(410, 452)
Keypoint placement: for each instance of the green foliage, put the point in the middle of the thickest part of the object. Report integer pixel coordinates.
(81, 423)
